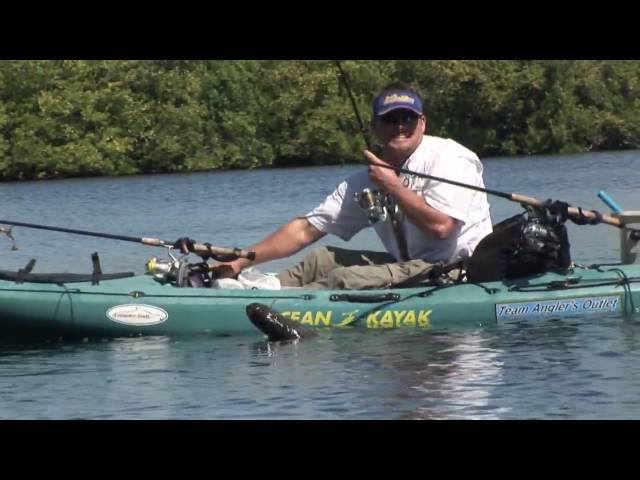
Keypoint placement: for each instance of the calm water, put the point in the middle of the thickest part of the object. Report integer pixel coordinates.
(548, 369)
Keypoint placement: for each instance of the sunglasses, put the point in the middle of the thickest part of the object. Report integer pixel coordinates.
(398, 118)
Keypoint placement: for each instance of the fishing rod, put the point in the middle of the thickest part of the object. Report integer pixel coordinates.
(397, 228)
(345, 82)
(578, 212)
(198, 248)
(591, 215)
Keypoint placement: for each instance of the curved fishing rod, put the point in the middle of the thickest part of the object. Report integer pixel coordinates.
(578, 212)
(363, 130)
(198, 248)
(514, 197)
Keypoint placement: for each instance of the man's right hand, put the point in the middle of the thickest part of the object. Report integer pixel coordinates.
(184, 245)
(225, 270)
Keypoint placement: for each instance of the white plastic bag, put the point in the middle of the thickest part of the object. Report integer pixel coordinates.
(254, 279)
(228, 284)
(249, 279)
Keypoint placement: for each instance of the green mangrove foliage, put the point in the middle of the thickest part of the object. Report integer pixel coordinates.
(86, 118)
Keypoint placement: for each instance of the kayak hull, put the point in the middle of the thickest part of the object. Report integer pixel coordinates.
(140, 305)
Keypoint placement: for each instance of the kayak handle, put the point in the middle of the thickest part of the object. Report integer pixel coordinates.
(363, 298)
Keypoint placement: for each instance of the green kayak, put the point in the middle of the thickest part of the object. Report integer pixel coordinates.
(129, 305)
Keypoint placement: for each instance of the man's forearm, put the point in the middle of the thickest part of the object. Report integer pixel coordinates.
(421, 214)
(284, 242)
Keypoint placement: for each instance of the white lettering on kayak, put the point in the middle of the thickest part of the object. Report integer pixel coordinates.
(137, 314)
(560, 308)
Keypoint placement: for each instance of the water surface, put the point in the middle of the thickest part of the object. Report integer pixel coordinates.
(578, 368)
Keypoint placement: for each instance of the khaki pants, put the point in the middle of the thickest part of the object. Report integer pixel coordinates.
(335, 268)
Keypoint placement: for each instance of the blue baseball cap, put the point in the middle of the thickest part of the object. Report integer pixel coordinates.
(396, 99)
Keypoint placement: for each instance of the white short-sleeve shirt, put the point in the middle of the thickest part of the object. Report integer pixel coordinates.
(341, 215)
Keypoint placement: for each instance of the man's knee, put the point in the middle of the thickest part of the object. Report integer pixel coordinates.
(317, 254)
(339, 278)
(359, 277)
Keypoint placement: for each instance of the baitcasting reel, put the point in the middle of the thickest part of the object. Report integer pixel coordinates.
(376, 204)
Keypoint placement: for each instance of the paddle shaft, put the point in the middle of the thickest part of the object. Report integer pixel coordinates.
(155, 242)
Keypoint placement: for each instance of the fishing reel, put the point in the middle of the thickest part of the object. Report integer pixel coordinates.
(179, 271)
(376, 204)
(539, 238)
(166, 270)
(539, 231)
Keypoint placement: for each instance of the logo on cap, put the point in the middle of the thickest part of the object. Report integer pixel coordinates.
(392, 100)
(395, 98)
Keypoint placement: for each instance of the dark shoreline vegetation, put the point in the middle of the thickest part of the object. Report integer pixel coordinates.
(84, 118)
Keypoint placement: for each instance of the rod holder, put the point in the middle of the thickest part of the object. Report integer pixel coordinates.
(610, 202)
(628, 244)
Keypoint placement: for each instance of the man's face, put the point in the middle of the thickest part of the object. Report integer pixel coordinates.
(400, 130)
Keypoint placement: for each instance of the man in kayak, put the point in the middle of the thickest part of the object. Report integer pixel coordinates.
(422, 221)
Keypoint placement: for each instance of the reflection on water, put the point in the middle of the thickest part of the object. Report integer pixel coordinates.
(462, 386)
(577, 368)
(550, 369)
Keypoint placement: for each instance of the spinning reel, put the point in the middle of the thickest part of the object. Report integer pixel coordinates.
(186, 274)
(376, 204)
(179, 270)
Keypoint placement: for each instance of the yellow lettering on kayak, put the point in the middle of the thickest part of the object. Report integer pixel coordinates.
(387, 320)
(307, 318)
(377, 319)
(323, 318)
(372, 320)
(399, 315)
(410, 319)
(347, 318)
(423, 318)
